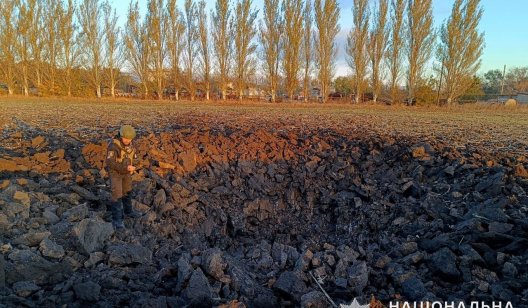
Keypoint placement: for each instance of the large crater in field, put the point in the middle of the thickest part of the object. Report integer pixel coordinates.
(256, 216)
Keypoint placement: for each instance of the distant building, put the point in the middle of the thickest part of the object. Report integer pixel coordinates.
(254, 92)
(503, 98)
(522, 98)
(315, 93)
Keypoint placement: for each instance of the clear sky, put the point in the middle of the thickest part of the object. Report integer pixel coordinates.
(504, 23)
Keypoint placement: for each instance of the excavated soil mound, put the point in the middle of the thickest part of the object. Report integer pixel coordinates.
(259, 217)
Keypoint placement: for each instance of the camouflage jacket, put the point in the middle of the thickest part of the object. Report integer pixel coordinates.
(120, 156)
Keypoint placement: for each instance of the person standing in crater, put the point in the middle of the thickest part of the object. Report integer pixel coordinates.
(120, 161)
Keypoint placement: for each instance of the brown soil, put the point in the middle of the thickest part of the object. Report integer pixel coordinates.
(249, 204)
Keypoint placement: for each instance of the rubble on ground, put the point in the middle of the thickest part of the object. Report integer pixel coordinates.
(246, 217)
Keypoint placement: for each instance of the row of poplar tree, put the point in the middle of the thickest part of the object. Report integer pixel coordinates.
(60, 46)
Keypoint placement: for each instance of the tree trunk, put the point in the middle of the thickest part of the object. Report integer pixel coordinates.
(176, 89)
(68, 76)
(410, 92)
(26, 87)
(112, 83)
(393, 92)
(25, 79)
(305, 89)
(52, 85)
(39, 78)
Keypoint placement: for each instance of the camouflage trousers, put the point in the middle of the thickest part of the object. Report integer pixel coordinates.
(121, 199)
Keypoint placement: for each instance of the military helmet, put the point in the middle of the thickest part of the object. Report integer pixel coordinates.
(127, 131)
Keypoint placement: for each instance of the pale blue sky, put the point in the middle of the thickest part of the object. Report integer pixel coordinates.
(504, 23)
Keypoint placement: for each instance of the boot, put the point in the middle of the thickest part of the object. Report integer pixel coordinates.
(128, 209)
(107, 216)
(117, 215)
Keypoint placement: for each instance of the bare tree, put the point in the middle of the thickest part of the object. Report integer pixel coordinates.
(69, 42)
(36, 39)
(191, 46)
(113, 57)
(307, 47)
(8, 43)
(175, 30)
(89, 16)
(138, 46)
(517, 79)
(378, 46)
(222, 27)
(156, 21)
(357, 44)
(420, 39)
(24, 22)
(204, 47)
(53, 18)
(396, 43)
(270, 40)
(244, 45)
(293, 22)
(461, 47)
(326, 20)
